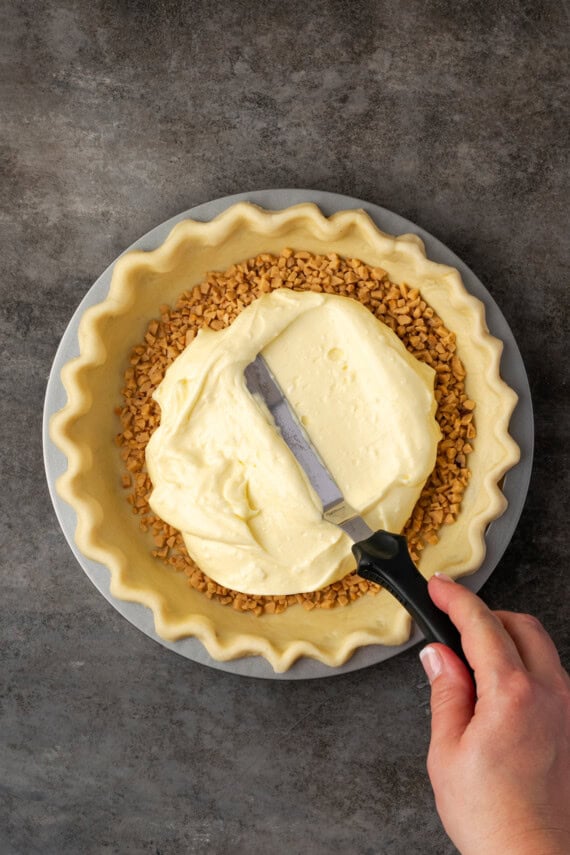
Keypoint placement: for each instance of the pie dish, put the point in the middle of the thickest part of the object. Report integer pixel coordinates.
(83, 430)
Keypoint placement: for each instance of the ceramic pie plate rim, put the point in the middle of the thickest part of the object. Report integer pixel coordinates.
(498, 535)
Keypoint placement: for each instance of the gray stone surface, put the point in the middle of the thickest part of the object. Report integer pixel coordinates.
(118, 115)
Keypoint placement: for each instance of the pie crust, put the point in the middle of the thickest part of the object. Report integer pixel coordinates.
(83, 430)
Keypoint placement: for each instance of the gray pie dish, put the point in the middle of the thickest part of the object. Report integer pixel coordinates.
(515, 485)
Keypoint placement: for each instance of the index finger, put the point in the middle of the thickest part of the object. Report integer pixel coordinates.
(489, 648)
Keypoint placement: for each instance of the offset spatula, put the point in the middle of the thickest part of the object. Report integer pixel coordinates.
(381, 557)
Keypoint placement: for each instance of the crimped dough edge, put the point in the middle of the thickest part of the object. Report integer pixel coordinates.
(108, 532)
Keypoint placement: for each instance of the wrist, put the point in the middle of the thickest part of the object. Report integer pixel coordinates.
(537, 841)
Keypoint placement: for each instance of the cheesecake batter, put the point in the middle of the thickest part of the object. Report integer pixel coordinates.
(223, 476)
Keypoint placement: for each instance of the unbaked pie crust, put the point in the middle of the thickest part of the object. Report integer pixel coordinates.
(84, 429)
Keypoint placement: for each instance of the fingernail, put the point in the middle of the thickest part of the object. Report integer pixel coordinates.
(444, 577)
(432, 662)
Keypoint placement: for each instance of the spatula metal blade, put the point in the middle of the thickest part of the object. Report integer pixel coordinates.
(260, 381)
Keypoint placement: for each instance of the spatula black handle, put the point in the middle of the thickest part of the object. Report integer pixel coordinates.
(384, 558)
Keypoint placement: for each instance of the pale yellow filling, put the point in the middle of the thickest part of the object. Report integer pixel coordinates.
(223, 476)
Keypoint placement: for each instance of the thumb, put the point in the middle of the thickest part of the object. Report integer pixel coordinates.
(452, 695)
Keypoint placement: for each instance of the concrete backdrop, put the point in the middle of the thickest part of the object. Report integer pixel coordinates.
(117, 115)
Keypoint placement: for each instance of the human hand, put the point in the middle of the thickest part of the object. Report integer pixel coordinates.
(499, 764)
